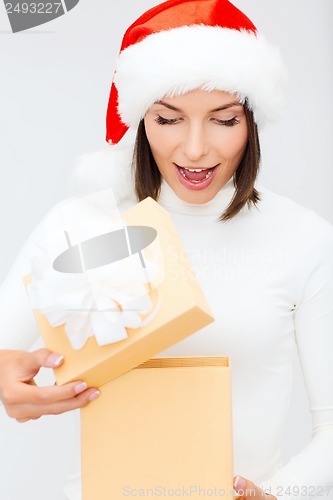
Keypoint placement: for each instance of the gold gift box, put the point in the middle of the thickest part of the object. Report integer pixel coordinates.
(165, 426)
(183, 311)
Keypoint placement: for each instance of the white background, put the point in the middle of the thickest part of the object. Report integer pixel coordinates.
(54, 85)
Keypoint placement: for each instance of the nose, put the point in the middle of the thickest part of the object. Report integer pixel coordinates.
(195, 144)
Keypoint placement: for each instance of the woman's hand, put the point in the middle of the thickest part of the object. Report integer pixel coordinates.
(246, 489)
(23, 400)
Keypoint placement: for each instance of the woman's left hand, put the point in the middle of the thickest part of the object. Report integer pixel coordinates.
(246, 489)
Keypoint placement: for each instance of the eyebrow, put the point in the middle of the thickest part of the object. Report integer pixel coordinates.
(221, 108)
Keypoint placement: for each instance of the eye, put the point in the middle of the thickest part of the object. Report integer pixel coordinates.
(228, 123)
(164, 121)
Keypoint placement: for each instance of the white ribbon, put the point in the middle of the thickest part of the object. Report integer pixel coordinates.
(102, 302)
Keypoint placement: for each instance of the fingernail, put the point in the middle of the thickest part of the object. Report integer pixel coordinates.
(240, 483)
(80, 387)
(55, 359)
(94, 395)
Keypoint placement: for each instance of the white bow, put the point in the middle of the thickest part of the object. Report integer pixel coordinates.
(102, 302)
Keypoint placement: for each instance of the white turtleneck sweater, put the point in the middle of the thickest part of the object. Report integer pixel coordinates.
(268, 277)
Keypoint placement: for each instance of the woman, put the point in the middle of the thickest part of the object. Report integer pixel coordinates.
(194, 81)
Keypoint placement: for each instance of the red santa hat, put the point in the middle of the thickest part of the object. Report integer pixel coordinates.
(182, 45)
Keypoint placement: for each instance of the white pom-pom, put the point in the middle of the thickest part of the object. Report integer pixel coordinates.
(110, 167)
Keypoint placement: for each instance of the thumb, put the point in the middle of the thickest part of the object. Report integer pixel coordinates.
(41, 358)
(246, 488)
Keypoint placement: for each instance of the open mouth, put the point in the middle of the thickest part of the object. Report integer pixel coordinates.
(196, 175)
(196, 178)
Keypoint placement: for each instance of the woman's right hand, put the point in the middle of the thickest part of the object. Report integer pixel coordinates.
(24, 400)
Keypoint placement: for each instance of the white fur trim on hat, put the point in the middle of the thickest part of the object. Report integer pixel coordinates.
(176, 61)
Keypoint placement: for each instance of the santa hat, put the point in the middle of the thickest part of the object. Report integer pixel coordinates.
(182, 45)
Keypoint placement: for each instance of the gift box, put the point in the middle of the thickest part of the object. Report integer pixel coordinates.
(179, 305)
(162, 429)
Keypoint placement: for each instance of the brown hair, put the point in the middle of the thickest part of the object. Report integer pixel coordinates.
(148, 178)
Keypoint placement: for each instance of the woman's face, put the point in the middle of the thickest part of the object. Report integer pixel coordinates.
(197, 140)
